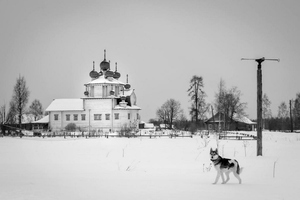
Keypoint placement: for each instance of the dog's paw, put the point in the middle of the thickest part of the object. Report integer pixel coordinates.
(214, 183)
(223, 182)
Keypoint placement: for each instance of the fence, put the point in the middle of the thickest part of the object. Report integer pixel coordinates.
(236, 136)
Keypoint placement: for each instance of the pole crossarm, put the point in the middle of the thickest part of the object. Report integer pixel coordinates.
(260, 60)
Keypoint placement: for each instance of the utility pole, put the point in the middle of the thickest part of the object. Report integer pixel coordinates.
(259, 102)
(291, 116)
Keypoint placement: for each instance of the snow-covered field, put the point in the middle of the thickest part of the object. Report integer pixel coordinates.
(144, 168)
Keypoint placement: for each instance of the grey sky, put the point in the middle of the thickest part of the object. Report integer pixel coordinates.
(159, 44)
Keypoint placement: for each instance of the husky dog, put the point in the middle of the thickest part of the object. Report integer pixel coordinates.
(224, 165)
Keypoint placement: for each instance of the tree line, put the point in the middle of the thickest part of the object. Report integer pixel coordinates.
(17, 108)
(228, 102)
(287, 118)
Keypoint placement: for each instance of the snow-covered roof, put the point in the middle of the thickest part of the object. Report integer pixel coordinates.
(44, 120)
(237, 118)
(65, 105)
(149, 125)
(117, 107)
(243, 119)
(102, 80)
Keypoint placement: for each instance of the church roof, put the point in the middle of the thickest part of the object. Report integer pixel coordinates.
(102, 80)
(66, 105)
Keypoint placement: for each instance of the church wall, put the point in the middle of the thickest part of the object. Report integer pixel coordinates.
(62, 122)
(124, 119)
(98, 91)
(94, 107)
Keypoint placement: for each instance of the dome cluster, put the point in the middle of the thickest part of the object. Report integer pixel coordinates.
(106, 77)
(104, 70)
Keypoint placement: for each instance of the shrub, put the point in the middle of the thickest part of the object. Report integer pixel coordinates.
(71, 127)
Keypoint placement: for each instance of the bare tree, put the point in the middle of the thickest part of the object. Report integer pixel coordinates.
(2, 114)
(198, 107)
(2, 118)
(182, 122)
(266, 110)
(19, 98)
(283, 111)
(169, 112)
(233, 105)
(36, 109)
(11, 117)
(283, 114)
(219, 97)
(296, 111)
(228, 102)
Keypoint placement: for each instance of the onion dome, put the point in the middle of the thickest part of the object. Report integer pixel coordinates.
(109, 74)
(93, 73)
(112, 92)
(104, 65)
(116, 74)
(86, 93)
(127, 85)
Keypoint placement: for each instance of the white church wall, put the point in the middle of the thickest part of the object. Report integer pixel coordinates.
(98, 114)
(97, 91)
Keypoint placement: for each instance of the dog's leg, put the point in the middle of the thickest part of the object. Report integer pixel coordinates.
(222, 176)
(237, 176)
(217, 177)
(227, 176)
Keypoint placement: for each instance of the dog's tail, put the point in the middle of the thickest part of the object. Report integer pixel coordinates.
(238, 168)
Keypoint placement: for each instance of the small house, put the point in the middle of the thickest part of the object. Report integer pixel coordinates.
(224, 122)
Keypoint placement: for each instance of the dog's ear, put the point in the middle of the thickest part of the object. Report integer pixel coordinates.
(216, 151)
(211, 150)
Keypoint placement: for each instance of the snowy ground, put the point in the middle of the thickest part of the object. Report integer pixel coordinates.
(144, 168)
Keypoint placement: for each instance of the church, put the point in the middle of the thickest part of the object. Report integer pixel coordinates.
(108, 104)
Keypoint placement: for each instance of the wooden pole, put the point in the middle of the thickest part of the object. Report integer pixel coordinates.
(212, 110)
(259, 108)
(291, 116)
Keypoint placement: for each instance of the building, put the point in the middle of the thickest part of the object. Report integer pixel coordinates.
(223, 122)
(107, 106)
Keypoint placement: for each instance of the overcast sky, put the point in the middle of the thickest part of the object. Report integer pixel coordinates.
(159, 44)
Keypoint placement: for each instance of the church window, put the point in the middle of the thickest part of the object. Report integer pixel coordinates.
(116, 115)
(68, 117)
(75, 117)
(137, 116)
(128, 115)
(55, 116)
(107, 116)
(83, 117)
(97, 116)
